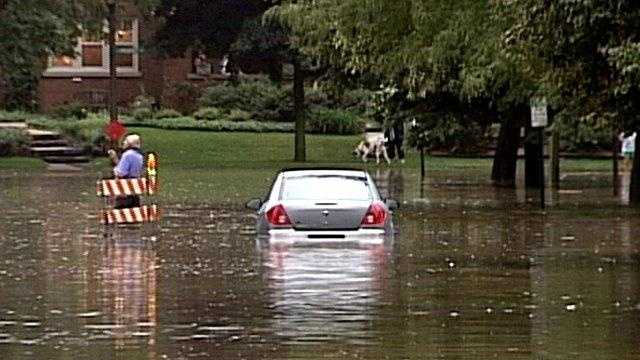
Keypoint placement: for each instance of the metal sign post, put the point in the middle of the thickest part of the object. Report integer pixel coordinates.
(539, 120)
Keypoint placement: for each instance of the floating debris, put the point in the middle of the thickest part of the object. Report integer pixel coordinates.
(32, 324)
(220, 328)
(89, 314)
(103, 326)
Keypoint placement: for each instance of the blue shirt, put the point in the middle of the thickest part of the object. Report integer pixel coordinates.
(130, 165)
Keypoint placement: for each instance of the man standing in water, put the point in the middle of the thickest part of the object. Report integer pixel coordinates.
(129, 166)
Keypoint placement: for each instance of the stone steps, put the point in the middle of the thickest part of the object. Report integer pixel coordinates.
(48, 143)
(13, 125)
(53, 149)
(66, 159)
(44, 151)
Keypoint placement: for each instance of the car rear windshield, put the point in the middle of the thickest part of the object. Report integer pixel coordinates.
(325, 188)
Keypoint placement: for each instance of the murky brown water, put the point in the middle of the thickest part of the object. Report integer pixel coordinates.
(472, 274)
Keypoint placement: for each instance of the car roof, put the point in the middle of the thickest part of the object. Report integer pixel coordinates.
(323, 172)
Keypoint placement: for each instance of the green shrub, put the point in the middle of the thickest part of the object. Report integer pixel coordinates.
(316, 97)
(74, 110)
(238, 115)
(14, 116)
(182, 97)
(143, 102)
(224, 96)
(13, 142)
(208, 113)
(270, 116)
(356, 100)
(142, 114)
(254, 97)
(189, 123)
(167, 114)
(585, 134)
(333, 121)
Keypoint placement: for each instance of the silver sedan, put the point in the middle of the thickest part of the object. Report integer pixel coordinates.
(324, 204)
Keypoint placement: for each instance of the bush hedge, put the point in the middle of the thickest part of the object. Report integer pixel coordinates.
(209, 113)
(88, 132)
(15, 116)
(190, 123)
(262, 100)
(334, 121)
(13, 142)
(167, 114)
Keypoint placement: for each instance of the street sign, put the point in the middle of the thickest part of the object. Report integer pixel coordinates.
(538, 112)
(115, 130)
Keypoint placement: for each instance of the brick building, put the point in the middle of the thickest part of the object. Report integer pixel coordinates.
(85, 77)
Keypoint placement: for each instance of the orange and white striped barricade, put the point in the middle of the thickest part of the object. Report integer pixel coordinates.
(148, 185)
(134, 215)
(124, 187)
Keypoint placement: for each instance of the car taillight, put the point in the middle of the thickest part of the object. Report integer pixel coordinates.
(375, 216)
(278, 216)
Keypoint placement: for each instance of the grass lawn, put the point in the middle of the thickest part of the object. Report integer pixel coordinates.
(198, 166)
(228, 167)
(21, 164)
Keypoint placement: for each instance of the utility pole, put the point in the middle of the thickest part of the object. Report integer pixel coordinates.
(111, 18)
(298, 106)
(617, 147)
(554, 158)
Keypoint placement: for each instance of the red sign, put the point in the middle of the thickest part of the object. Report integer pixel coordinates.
(115, 130)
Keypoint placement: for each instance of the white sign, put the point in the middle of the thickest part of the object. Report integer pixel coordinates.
(539, 112)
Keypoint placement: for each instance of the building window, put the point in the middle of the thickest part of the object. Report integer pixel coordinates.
(92, 54)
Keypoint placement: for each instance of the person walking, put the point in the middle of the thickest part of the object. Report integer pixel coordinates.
(395, 138)
(628, 150)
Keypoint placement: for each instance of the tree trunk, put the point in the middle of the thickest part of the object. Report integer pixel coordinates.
(554, 158)
(298, 109)
(532, 173)
(634, 187)
(503, 173)
(617, 148)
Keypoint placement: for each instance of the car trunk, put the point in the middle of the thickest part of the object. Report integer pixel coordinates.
(326, 215)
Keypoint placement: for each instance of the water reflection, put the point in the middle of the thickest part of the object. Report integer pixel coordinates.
(127, 291)
(462, 280)
(324, 293)
(390, 182)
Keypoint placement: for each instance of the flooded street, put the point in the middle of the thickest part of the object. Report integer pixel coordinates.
(473, 273)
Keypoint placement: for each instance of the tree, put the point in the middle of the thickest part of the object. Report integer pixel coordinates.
(262, 45)
(33, 30)
(211, 25)
(234, 26)
(446, 56)
(586, 55)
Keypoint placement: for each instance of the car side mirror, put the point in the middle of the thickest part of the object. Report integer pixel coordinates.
(392, 204)
(253, 204)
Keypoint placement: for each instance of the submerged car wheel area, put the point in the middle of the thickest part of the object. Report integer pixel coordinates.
(324, 204)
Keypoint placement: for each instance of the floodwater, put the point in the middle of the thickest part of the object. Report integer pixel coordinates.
(473, 273)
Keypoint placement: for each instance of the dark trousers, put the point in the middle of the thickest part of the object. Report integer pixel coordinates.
(395, 147)
(129, 201)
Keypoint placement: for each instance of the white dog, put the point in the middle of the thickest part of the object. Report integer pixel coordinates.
(373, 143)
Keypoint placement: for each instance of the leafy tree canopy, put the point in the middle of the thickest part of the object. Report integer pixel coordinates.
(424, 47)
(32, 30)
(586, 54)
(211, 25)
